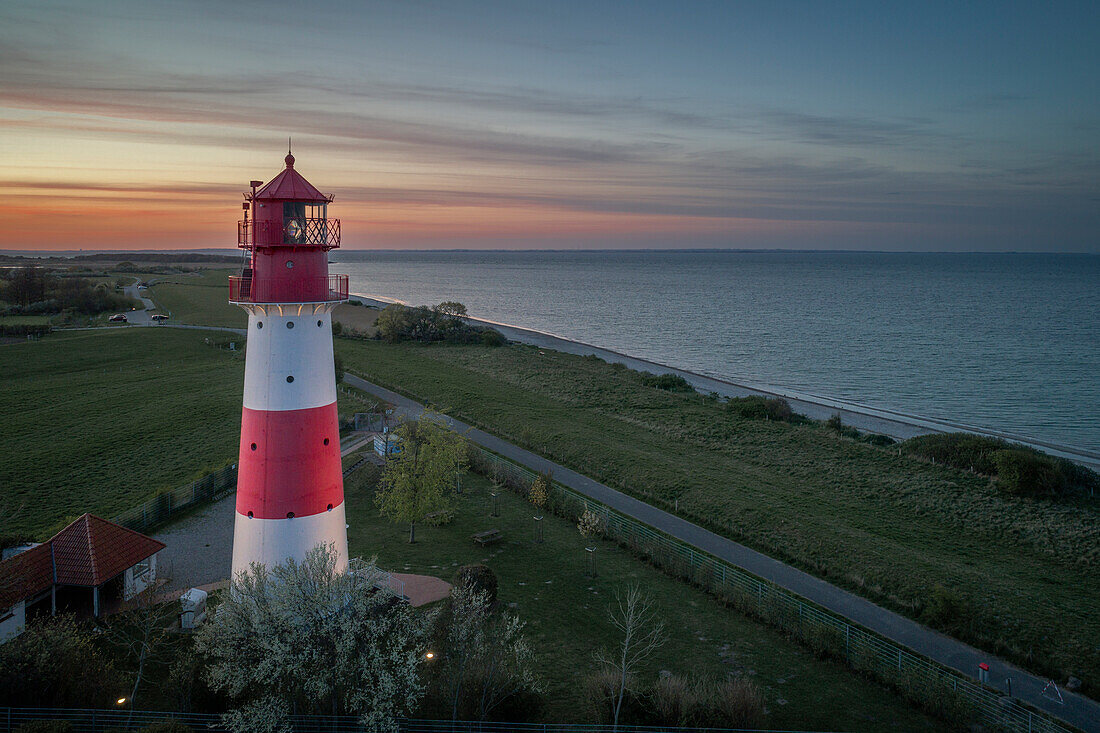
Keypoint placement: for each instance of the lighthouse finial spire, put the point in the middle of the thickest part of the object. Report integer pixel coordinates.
(289, 156)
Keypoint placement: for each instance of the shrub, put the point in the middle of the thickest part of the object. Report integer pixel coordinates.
(944, 609)
(600, 691)
(480, 577)
(879, 439)
(590, 524)
(667, 382)
(673, 700)
(758, 407)
(492, 337)
(539, 494)
(1018, 469)
(1027, 473)
(738, 703)
(837, 425)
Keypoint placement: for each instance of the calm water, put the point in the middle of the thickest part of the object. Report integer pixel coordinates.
(1009, 342)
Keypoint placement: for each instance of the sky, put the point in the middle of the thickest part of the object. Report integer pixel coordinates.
(918, 126)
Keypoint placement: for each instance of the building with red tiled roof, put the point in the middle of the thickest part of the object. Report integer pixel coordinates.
(91, 554)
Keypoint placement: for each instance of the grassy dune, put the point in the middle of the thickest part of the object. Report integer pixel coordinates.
(889, 527)
(100, 421)
(201, 299)
(566, 613)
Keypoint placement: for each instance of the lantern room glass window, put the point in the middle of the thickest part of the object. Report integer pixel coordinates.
(304, 223)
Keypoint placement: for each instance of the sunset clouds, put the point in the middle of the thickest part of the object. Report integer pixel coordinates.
(652, 125)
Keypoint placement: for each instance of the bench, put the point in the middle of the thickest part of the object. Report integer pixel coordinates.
(438, 519)
(488, 537)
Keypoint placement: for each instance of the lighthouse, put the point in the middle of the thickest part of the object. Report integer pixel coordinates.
(290, 490)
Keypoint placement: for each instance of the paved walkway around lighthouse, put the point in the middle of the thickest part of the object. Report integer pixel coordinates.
(1075, 709)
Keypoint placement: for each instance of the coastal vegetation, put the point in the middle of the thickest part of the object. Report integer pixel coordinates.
(885, 524)
(1016, 469)
(428, 324)
(33, 291)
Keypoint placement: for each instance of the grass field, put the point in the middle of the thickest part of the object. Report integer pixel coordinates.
(892, 528)
(200, 298)
(100, 421)
(567, 613)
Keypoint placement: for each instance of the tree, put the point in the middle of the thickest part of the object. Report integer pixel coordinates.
(303, 637)
(643, 634)
(419, 480)
(486, 655)
(27, 285)
(55, 662)
(393, 322)
(140, 631)
(451, 308)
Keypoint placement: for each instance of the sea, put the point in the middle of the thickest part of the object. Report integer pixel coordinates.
(1005, 342)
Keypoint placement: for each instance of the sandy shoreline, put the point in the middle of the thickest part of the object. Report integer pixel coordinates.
(895, 424)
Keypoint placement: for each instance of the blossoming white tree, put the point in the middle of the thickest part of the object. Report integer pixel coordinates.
(302, 637)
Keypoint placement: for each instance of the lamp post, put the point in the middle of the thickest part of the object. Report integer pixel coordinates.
(538, 530)
(591, 570)
(495, 511)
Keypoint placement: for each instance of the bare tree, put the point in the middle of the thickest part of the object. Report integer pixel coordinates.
(140, 631)
(643, 634)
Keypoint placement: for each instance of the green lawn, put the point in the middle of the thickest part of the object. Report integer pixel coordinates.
(100, 421)
(24, 320)
(198, 298)
(891, 528)
(566, 613)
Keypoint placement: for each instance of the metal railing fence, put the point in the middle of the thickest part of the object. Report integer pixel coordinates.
(162, 506)
(939, 689)
(101, 721)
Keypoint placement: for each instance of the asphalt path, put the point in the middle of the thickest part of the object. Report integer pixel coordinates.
(1075, 709)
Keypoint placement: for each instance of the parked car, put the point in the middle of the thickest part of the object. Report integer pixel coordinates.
(158, 317)
(117, 318)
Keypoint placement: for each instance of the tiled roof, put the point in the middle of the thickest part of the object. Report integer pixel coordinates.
(88, 552)
(290, 185)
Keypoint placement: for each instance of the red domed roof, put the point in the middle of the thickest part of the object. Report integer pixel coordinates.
(290, 185)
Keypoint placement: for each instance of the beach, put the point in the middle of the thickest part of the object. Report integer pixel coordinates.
(897, 425)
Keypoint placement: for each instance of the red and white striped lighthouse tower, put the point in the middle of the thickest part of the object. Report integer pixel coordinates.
(290, 492)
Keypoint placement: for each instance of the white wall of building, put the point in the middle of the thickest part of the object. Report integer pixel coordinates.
(139, 577)
(13, 621)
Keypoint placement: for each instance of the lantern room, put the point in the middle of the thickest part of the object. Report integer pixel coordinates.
(287, 233)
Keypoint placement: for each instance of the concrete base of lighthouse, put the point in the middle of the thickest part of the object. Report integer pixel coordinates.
(272, 541)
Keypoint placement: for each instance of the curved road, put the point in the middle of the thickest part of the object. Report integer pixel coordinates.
(1076, 709)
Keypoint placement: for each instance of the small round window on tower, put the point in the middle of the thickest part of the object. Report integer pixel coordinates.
(326, 441)
(259, 324)
(290, 515)
(250, 515)
(290, 324)
(319, 323)
(253, 446)
(289, 264)
(330, 507)
(289, 379)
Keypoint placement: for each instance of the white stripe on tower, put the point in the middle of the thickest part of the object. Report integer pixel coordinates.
(290, 489)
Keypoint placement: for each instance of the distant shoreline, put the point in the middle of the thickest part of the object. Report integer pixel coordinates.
(896, 424)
